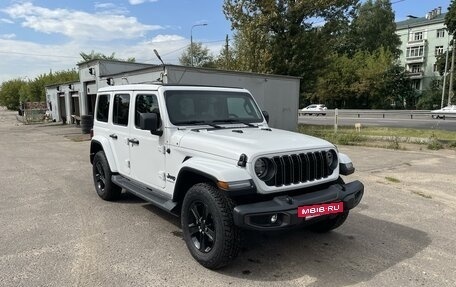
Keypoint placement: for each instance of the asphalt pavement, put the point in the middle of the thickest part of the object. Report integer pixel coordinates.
(395, 120)
(55, 230)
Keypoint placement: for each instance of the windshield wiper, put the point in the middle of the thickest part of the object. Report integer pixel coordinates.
(195, 122)
(234, 121)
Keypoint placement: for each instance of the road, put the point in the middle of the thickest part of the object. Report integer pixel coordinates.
(402, 121)
(55, 231)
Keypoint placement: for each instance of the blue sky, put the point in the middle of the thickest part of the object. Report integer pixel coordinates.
(39, 35)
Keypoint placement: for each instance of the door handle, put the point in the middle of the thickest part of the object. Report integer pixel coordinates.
(134, 141)
(114, 136)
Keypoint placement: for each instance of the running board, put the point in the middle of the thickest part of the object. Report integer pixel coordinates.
(155, 197)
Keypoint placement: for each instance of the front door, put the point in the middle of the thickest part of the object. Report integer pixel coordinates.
(147, 153)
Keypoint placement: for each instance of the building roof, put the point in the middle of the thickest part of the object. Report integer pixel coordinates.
(422, 21)
(113, 61)
(199, 69)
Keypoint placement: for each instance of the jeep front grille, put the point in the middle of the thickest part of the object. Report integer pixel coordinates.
(299, 168)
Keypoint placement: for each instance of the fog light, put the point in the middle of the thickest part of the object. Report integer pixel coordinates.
(274, 218)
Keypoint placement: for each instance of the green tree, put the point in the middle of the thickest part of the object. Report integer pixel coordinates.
(431, 99)
(10, 93)
(226, 60)
(365, 80)
(14, 91)
(397, 89)
(100, 56)
(201, 56)
(335, 86)
(450, 18)
(373, 27)
(279, 36)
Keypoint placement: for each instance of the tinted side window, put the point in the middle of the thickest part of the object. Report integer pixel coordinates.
(120, 109)
(103, 108)
(145, 104)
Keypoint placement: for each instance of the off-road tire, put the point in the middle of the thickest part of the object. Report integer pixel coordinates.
(104, 186)
(329, 224)
(217, 210)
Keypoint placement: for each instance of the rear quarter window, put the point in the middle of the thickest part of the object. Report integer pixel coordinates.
(102, 108)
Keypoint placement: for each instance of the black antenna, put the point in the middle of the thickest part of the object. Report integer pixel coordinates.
(158, 56)
(163, 74)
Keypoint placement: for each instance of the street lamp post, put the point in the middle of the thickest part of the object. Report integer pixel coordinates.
(191, 41)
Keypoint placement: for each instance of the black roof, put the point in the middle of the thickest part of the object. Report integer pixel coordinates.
(422, 21)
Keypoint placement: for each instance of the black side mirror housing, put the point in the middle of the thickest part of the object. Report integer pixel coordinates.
(150, 122)
(266, 116)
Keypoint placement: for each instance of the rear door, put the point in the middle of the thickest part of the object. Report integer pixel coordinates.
(119, 136)
(147, 152)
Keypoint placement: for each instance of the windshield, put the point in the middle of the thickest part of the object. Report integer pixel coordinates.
(208, 107)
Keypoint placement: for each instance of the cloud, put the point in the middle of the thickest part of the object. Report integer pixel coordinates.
(137, 2)
(110, 8)
(7, 21)
(166, 38)
(24, 58)
(8, 36)
(79, 25)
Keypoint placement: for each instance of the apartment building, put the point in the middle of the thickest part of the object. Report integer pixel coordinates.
(423, 40)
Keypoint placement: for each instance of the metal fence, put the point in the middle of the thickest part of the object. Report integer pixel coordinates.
(375, 113)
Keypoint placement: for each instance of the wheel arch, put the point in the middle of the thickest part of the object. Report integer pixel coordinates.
(100, 144)
(196, 170)
(188, 177)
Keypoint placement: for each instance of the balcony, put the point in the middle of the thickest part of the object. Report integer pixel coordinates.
(415, 75)
(414, 59)
(421, 42)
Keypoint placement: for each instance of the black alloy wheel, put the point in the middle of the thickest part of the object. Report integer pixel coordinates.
(201, 227)
(208, 226)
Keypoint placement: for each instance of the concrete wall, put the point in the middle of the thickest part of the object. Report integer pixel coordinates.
(279, 96)
(68, 90)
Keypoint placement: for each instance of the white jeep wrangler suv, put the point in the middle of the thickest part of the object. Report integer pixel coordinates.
(207, 155)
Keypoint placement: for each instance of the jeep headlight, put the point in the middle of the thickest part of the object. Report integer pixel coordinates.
(264, 168)
(331, 159)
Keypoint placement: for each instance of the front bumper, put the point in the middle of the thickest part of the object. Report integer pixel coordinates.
(257, 215)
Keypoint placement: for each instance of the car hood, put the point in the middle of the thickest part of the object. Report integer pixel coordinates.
(232, 142)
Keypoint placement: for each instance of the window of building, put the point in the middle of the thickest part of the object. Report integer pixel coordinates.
(417, 51)
(440, 33)
(436, 69)
(416, 84)
(438, 50)
(102, 108)
(415, 68)
(418, 36)
(120, 109)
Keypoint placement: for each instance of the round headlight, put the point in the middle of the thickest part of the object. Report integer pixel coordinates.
(261, 167)
(331, 159)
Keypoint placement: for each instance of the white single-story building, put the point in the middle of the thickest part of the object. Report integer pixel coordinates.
(278, 95)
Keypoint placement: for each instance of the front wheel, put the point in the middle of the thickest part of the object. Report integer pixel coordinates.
(208, 227)
(329, 224)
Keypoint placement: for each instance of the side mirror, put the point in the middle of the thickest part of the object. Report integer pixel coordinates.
(149, 122)
(266, 116)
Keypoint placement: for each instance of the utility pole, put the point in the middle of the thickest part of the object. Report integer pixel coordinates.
(450, 92)
(227, 56)
(191, 41)
(445, 74)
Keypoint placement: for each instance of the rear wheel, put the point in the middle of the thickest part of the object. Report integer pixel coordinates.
(208, 227)
(329, 224)
(104, 186)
